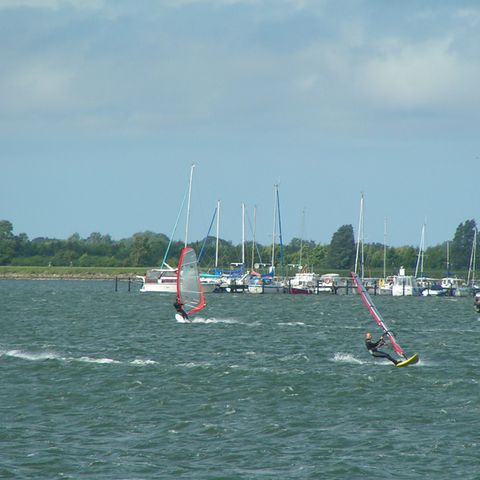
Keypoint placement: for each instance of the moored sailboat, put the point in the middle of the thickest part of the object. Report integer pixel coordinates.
(164, 278)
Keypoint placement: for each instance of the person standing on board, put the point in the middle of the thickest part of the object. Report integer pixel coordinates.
(372, 347)
(179, 308)
(477, 301)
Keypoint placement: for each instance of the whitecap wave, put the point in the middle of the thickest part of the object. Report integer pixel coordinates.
(292, 324)
(96, 360)
(346, 358)
(208, 320)
(143, 362)
(32, 356)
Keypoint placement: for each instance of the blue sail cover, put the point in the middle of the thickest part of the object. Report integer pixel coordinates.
(235, 273)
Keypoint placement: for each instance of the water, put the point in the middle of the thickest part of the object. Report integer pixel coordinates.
(99, 384)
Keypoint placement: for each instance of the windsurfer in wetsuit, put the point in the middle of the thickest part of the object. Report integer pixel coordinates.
(372, 347)
(179, 308)
(477, 301)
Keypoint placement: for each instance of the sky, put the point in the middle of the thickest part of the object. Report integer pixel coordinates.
(106, 104)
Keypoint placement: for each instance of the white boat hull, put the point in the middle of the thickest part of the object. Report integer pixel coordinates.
(159, 288)
(266, 289)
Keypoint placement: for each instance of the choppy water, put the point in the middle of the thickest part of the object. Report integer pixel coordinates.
(99, 384)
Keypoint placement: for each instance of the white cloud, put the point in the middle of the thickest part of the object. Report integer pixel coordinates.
(416, 76)
(37, 88)
(51, 4)
(470, 15)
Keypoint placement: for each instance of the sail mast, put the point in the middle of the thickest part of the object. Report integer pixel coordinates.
(280, 234)
(471, 267)
(274, 225)
(376, 314)
(385, 248)
(421, 252)
(301, 236)
(243, 234)
(218, 233)
(254, 233)
(360, 241)
(188, 205)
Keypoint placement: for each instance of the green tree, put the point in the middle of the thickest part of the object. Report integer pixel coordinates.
(7, 242)
(461, 246)
(318, 257)
(141, 252)
(341, 254)
(6, 230)
(406, 256)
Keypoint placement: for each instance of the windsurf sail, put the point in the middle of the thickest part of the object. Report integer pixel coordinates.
(189, 289)
(376, 314)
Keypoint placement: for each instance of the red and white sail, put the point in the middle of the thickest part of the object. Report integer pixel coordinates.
(189, 289)
(376, 314)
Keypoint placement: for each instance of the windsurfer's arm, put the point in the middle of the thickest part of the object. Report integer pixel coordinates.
(371, 345)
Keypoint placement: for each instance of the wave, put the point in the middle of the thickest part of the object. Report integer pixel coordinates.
(43, 356)
(32, 356)
(94, 360)
(292, 324)
(346, 358)
(143, 362)
(210, 320)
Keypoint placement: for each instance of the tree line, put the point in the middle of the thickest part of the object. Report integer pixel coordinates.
(147, 249)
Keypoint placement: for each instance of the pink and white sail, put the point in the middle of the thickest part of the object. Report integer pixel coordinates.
(376, 314)
(189, 289)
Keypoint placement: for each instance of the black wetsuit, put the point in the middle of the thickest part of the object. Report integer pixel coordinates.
(178, 307)
(372, 348)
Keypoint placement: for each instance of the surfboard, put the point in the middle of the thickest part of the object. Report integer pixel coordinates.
(180, 319)
(409, 361)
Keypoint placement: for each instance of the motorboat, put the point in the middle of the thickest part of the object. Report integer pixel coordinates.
(266, 284)
(164, 280)
(328, 282)
(385, 286)
(434, 290)
(160, 280)
(404, 285)
(456, 287)
(303, 283)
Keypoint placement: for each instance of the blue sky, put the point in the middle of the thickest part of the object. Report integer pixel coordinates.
(106, 104)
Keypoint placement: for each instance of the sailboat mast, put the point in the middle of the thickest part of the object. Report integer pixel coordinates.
(254, 233)
(448, 259)
(360, 241)
(280, 234)
(243, 234)
(474, 256)
(421, 251)
(274, 224)
(471, 267)
(188, 205)
(385, 248)
(218, 233)
(301, 237)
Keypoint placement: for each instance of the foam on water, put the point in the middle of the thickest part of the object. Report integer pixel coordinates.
(42, 356)
(33, 357)
(96, 360)
(346, 358)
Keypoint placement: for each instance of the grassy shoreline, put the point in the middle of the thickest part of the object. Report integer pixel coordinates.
(85, 273)
(14, 272)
